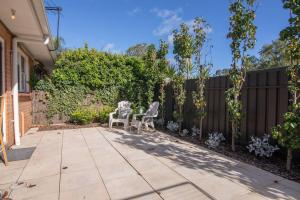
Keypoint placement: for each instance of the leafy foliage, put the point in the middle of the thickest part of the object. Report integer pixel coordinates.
(179, 94)
(82, 116)
(287, 134)
(183, 49)
(242, 34)
(102, 115)
(164, 75)
(261, 146)
(138, 50)
(109, 78)
(200, 27)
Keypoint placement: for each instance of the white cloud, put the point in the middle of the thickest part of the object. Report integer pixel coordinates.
(110, 47)
(134, 11)
(171, 20)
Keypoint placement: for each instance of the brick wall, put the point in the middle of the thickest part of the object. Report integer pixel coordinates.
(7, 37)
(25, 104)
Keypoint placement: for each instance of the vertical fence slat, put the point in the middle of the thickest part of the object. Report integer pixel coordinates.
(261, 104)
(264, 99)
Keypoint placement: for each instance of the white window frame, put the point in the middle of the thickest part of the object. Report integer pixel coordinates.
(23, 88)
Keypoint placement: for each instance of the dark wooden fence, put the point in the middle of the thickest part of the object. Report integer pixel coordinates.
(264, 98)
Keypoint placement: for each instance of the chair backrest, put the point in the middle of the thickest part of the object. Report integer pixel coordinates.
(123, 109)
(153, 109)
(124, 104)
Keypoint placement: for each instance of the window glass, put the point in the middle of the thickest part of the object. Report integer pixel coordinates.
(22, 76)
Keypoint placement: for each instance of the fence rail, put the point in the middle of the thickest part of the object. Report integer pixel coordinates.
(264, 99)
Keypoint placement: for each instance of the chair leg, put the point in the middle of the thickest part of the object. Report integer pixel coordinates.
(125, 126)
(110, 123)
(139, 128)
(152, 125)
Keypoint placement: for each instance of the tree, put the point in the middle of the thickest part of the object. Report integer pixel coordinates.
(183, 50)
(138, 50)
(199, 27)
(163, 66)
(242, 34)
(222, 72)
(151, 72)
(274, 55)
(287, 134)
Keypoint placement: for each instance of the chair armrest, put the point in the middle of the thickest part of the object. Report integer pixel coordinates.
(148, 117)
(112, 114)
(135, 115)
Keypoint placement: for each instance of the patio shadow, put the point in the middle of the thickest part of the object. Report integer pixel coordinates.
(195, 157)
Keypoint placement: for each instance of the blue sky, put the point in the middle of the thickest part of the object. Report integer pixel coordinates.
(115, 25)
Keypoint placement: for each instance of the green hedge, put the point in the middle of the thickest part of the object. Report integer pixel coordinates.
(108, 78)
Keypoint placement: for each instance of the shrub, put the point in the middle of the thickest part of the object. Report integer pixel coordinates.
(82, 116)
(184, 133)
(261, 146)
(103, 114)
(172, 126)
(214, 140)
(195, 131)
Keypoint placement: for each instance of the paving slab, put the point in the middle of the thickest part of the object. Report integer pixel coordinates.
(90, 192)
(98, 163)
(130, 187)
(41, 188)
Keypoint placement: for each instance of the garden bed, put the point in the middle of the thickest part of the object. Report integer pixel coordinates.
(275, 164)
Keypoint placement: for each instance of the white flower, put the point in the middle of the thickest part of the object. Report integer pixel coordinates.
(261, 146)
(172, 126)
(195, 131)
(184, 132)
(214, 140)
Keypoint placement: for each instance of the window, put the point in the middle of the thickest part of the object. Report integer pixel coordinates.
(22, 72)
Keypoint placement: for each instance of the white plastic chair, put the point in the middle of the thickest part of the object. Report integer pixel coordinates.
(123, 111)
(147, 117)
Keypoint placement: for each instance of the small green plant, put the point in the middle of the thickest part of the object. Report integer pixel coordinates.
(82, 116)
(33, 80)
(287, 134)
(102, 115)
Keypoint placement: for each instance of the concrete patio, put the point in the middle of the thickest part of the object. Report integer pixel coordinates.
(95, 163)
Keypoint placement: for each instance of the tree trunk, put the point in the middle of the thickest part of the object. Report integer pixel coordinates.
(289, 159)
(200, 128)
(180, 118)
(234, 127)
(233, 132)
